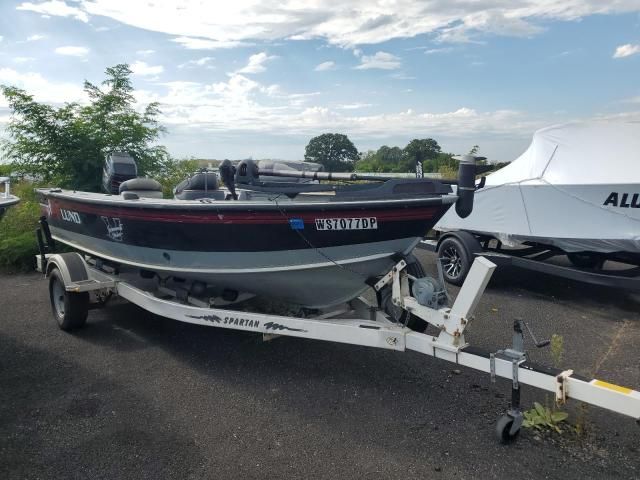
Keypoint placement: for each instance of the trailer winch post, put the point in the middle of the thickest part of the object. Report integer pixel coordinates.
(451, 321)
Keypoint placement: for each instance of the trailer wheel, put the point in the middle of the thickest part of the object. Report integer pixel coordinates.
(503, 430)
(586, 260)
(455, 260)
(69, 309)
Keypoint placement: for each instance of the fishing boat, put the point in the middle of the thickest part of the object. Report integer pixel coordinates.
(6, 199)
(313, 245)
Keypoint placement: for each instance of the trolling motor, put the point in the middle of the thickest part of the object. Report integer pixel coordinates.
(227, 172)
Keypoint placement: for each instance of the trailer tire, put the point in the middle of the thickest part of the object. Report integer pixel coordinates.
(69, 309)
(456, 260)
(503, 430)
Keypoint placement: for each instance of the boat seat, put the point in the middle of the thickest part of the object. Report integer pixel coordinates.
(198, 194)
(200, 185)
(142, 187)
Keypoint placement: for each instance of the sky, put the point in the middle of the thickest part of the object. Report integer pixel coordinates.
(260, 78)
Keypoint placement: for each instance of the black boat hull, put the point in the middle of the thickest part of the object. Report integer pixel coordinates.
(314, 254)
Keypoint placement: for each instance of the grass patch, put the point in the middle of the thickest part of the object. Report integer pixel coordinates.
(17, 230)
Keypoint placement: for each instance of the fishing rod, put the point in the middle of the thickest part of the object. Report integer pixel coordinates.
(348, 176)
(355, 176)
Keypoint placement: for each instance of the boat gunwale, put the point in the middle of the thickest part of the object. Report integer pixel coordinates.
(114, 201)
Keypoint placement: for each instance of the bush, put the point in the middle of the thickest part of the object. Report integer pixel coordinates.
(17, 230)
(174, 172)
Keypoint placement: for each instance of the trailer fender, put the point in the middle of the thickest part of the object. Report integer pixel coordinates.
(71, 265)
(468, 240)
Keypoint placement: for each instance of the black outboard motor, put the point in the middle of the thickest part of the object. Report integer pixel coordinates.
(227, 172)
(466, 185)
(247, 173)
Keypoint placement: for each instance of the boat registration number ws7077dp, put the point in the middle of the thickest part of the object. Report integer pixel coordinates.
(362, 223)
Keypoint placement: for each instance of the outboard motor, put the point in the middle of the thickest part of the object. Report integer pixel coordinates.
(227, 172)
(466, 185)
(247, 173)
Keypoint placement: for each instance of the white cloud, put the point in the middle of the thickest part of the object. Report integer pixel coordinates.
(23, 59)
(72, 51)
(200, 62)
(36, 37)
(298, 99)
(207, 44)
(145, 53)
(354, 106)
(55, 8)
(142, 69)
(433, 51)
(340, 22)
(241, 104)
(324, 66)
(256, 63)
(380, 60)
(626, 50)
(42, 89)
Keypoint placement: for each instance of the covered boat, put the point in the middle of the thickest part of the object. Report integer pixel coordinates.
(317, 246)
(576, 188)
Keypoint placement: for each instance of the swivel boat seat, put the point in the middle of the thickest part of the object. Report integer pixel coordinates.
(140, 188)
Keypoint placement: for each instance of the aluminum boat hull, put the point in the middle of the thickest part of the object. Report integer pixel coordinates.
(6, 202)
(266, 248)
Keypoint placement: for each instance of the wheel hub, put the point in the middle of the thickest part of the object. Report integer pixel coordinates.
(452, 262)
(58, 298)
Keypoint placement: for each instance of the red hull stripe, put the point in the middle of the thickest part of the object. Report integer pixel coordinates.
(401, 214)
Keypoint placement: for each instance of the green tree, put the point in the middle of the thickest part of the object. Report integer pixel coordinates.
(368, 162)
(425, 151)
(67, 144)
(390, 155)
(385, 159)
(334, 151)
(174, 172)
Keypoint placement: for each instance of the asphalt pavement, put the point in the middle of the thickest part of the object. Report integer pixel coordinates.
(137, 396)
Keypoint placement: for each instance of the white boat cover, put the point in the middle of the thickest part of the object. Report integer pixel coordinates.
(576, 187)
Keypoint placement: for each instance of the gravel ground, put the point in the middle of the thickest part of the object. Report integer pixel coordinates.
(137, 396)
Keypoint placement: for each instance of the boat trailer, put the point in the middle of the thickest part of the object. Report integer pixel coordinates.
(80, 282)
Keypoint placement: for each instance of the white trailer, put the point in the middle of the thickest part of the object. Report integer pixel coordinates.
(78, 283)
